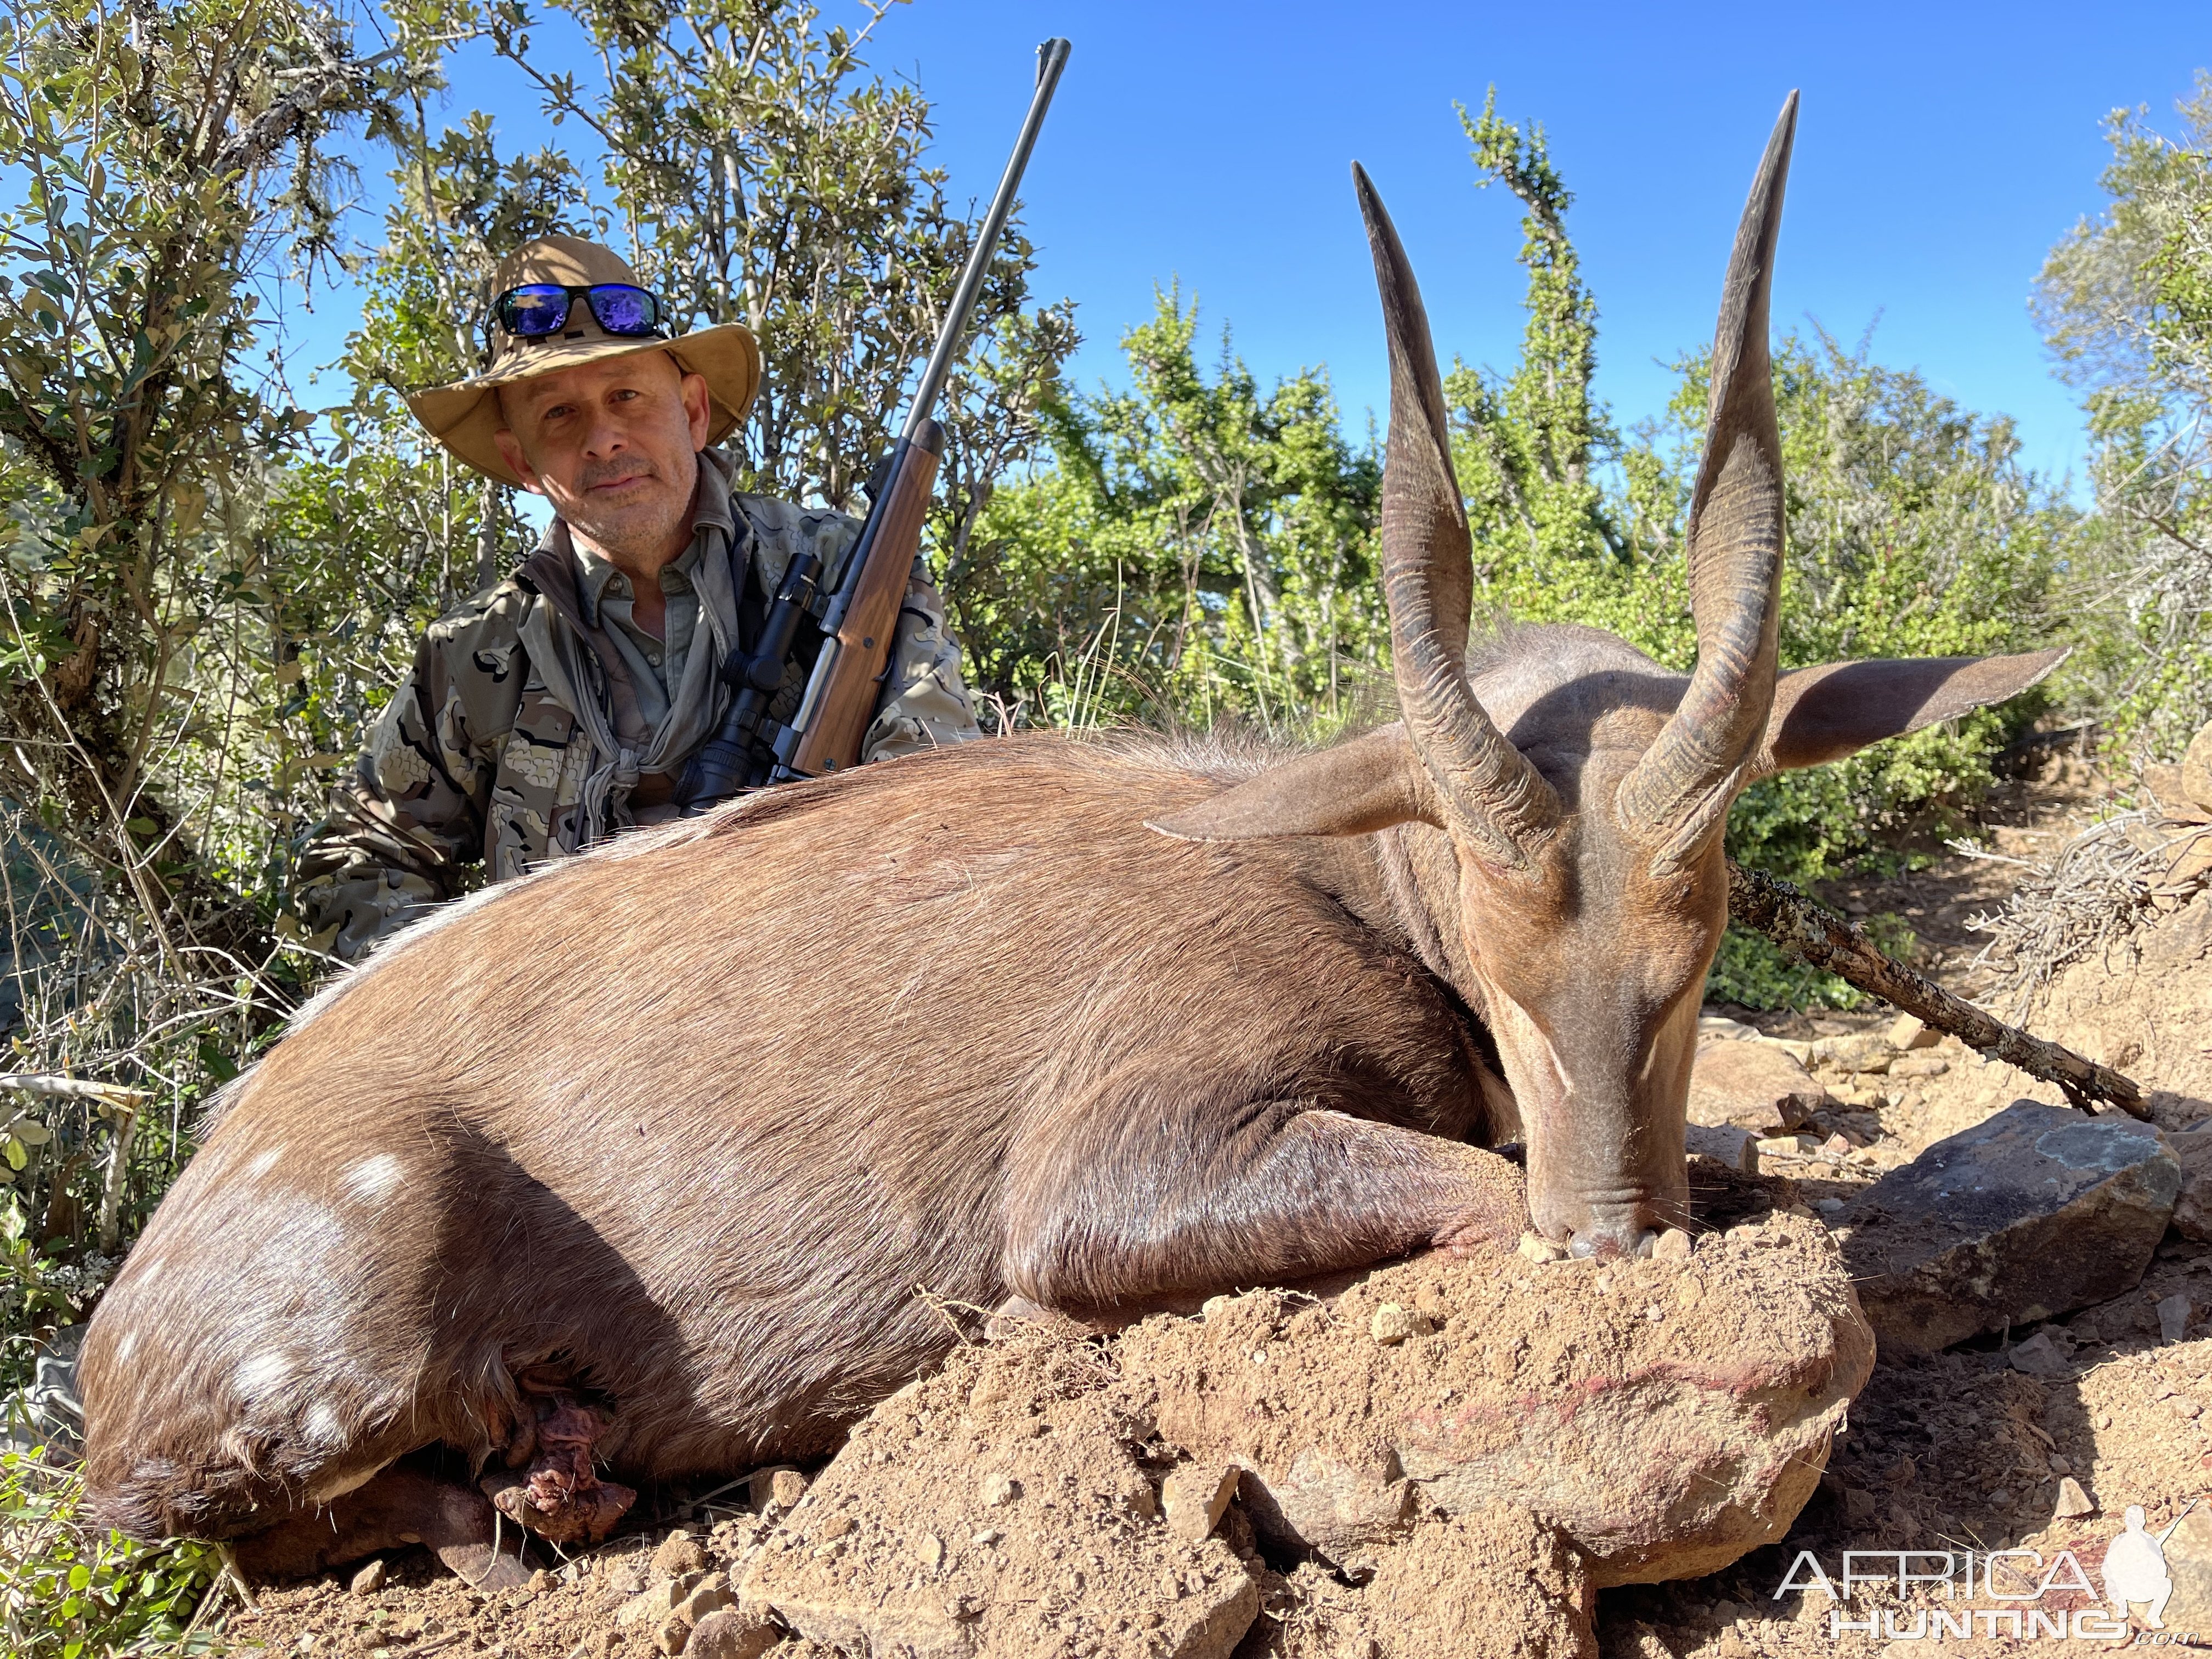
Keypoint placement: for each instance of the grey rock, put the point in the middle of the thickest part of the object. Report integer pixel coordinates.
(1738, 1149)
(2029, 1214)
(1751, 1086)
(370, 1579)
(2192, 1210)
(2040, 1356)
(2173, 1313)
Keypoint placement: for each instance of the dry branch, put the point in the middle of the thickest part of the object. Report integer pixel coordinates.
(1824, 939)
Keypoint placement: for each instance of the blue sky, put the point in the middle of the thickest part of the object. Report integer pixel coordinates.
(1942, 149)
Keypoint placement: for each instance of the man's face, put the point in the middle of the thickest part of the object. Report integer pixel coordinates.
(614, 444)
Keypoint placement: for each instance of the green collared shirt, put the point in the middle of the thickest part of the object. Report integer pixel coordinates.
(609, 603)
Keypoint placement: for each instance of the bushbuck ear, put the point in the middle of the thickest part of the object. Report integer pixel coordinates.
(1824, 714)
(1353, 789)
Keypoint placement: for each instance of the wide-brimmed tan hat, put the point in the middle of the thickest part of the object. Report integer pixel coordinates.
(463, 415)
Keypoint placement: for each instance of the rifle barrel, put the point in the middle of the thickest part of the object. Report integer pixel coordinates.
(1052, 57)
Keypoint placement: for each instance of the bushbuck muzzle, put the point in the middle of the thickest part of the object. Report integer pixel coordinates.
(630, 1169)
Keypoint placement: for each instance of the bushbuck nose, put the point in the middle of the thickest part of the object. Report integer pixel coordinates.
(1616, 1229)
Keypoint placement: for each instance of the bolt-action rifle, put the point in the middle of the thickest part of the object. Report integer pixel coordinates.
(858, 616)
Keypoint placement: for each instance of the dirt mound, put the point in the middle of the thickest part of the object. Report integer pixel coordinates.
(1449, 1456)
(1467, 1446)
(1667, 1414)
(1008, 1504)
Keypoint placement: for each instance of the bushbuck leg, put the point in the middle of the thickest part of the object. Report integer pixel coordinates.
(395, 1508)
(1119, 1207)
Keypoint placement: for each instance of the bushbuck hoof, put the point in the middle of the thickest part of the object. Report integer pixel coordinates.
(395, 1508)
(484, 1566)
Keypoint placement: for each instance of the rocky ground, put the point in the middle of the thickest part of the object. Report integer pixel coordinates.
(1049, 1493)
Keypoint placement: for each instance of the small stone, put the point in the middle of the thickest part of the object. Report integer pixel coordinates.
(1394, 1323)
(731, 1634)
(777, 1488)
(1836, 1147)
(2001, 1498)
(710, 1597)
(659, 1601)
(988, 1535)
(2173, 1313)
(541, 1580)
(2029, 1214)
(1195, 1498)
(1828, 1206)
(679, 1553)
(1737, 1149)
(1751, 1086)
(1911, 1066)
(1672, 1245)
(1537, 1248)
(671, 1634)
(2072, 1500)
(2040, 1356)
(931, 1550)
(998, 1487)
(1864, 1053)
(370, 1579)
(1908, 1032)
(1780, 1146)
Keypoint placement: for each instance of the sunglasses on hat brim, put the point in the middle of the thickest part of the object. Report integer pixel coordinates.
(534, 310)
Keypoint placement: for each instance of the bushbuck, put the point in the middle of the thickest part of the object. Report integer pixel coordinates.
(635, 1166)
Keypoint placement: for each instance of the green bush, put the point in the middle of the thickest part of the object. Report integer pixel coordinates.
(72, 1591)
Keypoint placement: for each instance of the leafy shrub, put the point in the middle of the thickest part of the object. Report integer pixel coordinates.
(69, 1590)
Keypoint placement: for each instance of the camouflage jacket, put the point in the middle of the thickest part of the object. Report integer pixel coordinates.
(519, 735)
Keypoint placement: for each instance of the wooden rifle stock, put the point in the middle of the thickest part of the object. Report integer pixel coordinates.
(841, 700)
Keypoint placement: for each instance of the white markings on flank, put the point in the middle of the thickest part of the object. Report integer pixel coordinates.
(263, 1372)
(263, 1162)
(372, 1177)
(323, 1426)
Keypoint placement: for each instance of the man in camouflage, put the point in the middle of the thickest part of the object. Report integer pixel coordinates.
(561, 705)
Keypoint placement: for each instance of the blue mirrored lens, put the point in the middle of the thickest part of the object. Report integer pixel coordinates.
(623, 310)
(539, 308)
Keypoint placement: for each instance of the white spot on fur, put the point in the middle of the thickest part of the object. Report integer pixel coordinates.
(263, 1373)
(372, 1177)
(263, 1162)
(323, 1426)
(123, 1349)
